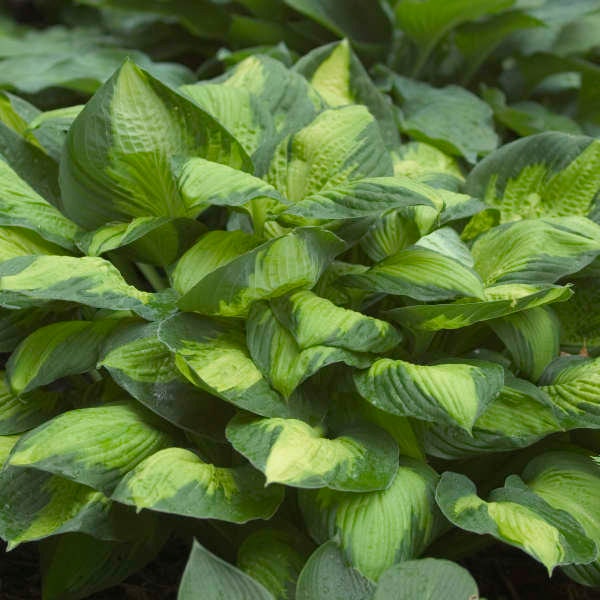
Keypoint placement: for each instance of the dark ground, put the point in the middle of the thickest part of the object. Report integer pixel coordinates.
(502, 574)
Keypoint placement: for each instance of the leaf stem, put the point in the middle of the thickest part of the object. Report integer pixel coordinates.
(152, 276)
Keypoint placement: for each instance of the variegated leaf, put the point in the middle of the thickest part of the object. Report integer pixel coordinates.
(378, 529)
(292, 452)
(455, 393)
(177, 481)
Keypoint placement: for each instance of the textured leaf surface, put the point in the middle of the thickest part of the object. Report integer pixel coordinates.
(154, 240)
(453, 393)
(532, 338)
(293, 261)
(36, 505)
(55, 351)
(22, 206)
(339, 146)
(138, 124)
(142, 365)
(378, 529)
(279, 357)
(94, 446)
(18, 414)
(273, 558)
(292, 452)
(551, 174)
(500, 300)
(536, 251)
(516, 516)
(313, 320)
(33, 280)
(337, 74)
(213, 356)
(365, 198)
(177, 481)
(570, 481)
(520, 415)
(426, 271)
(572, 385)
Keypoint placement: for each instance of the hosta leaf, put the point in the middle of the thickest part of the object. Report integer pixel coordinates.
(500, 300)
(33, 280)
(177, 481)
(450, 118)
(243, 114)
(531, 337)
(286, 95)
(536, 250)
(203, 183)
(93, 446)
(79, 59)
(337, 74)
(290, 451)
(425, 22)
(213, 250)
(453, 393)
(16, 241)
(30, 164)
(29, 411)
(314, 321)
(516, 516)
(528, 118)
(15, 112)
(435, 268)
(520, 415)
(213, 356)
(392, 232)
(142, 365)
(364, 198)
(16, 325)
(22, 206)
(551, 174)
(154, 240)
(77, 565)
(579, 318)
(349, 406)
(279, 357)
(292, 261)
(570, 481)
(427, 578)
(378, 529)
(55, 351)
(327, 575)
(214, 578)
(418, 160)
(360, 20)
(36, 505)
(50, 128)
(572, 384)
(138, 124)
(477, 39)
(339, 146)
(272, 557)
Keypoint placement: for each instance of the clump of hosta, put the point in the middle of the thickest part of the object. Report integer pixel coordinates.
(247, 300)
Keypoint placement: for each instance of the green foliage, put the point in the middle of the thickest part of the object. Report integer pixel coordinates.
(322, 283)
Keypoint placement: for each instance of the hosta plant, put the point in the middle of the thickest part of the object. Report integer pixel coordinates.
(246, 311)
